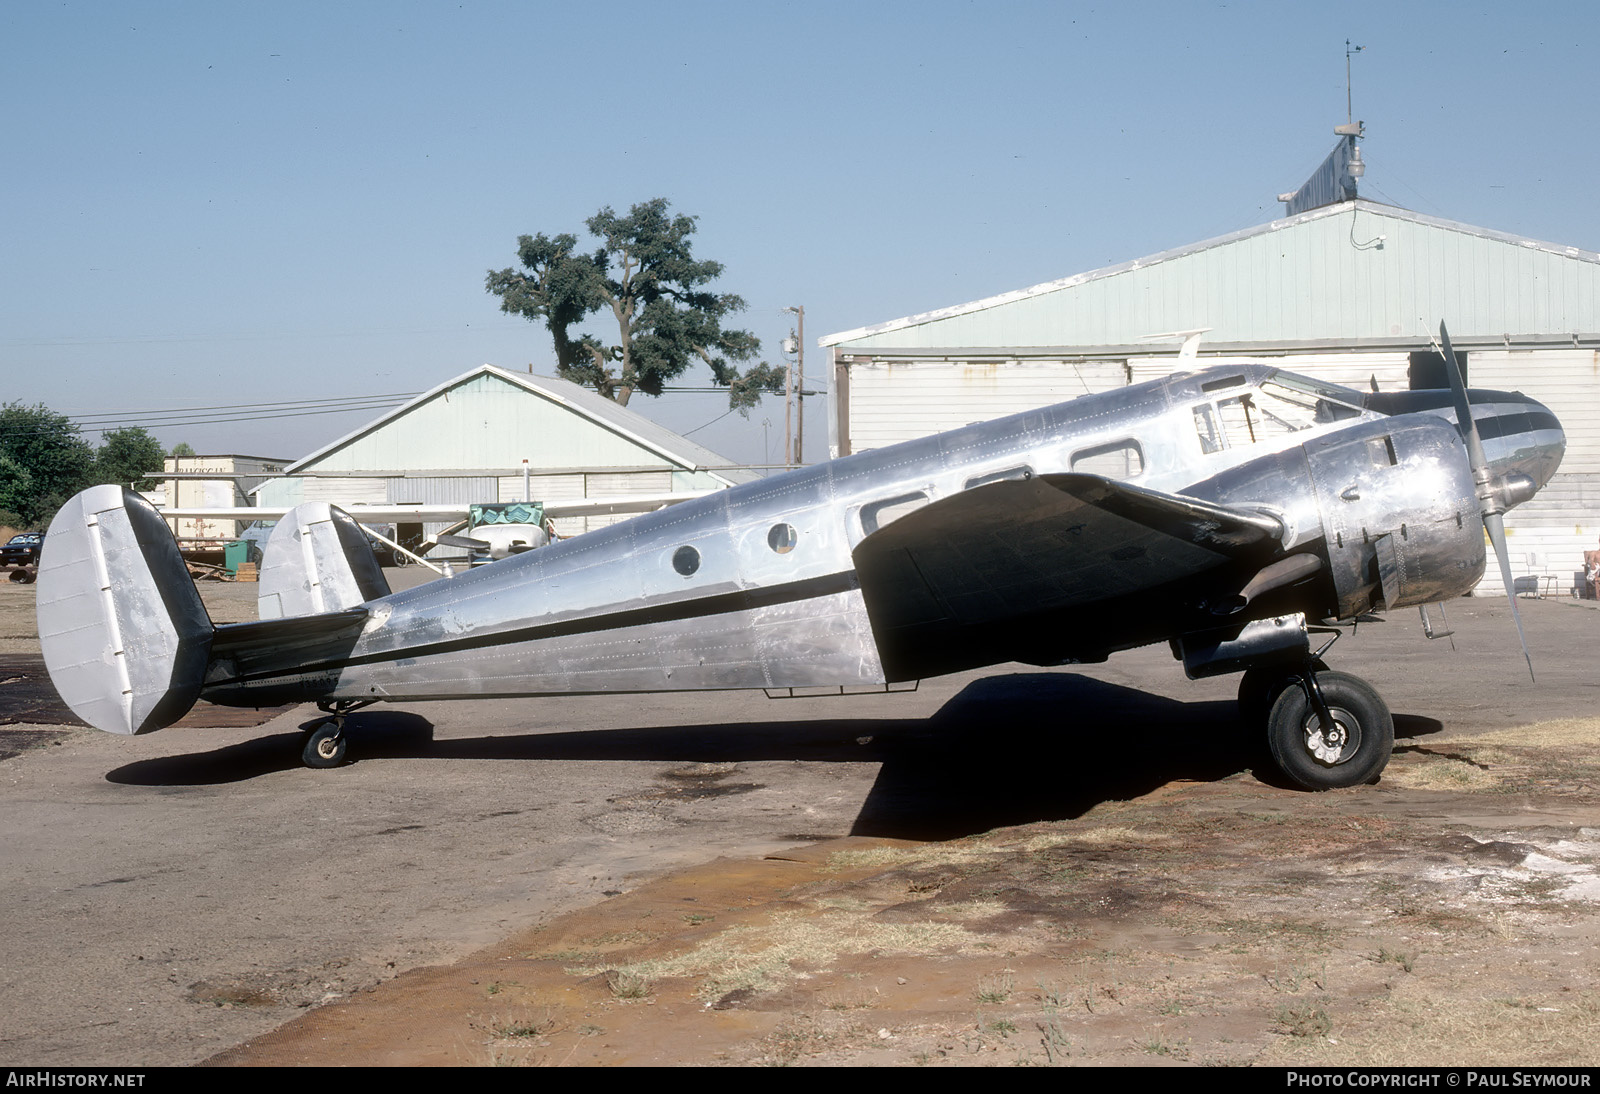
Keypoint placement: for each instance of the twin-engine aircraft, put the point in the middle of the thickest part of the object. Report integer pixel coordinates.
(1235, 511)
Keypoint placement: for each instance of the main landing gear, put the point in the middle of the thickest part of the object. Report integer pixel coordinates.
(1324, 729)
(324, 744)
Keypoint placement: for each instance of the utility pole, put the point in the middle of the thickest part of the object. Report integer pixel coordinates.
(798, 452)
(788, 410)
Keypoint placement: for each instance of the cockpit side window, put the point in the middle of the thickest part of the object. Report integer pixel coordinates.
(1205, 424)
(1239, 420)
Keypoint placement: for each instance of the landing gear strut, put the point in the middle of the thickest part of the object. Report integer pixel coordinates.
(325, 741)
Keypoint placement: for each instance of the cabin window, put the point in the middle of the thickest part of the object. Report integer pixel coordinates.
(1023, 473)
(686, 560)
(1117, 460)
(880, 514)
(782, 538)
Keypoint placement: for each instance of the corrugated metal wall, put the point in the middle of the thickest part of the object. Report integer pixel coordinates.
(1547, 536)
(346, 491)
(893, 401)
(1355, 370)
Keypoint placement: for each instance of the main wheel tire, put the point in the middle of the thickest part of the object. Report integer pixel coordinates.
(325, 746)
(1259, 690)
(1357, 750)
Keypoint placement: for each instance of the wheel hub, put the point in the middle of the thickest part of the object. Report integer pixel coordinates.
(1336, 745)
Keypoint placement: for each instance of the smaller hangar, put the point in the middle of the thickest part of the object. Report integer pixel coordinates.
(467, 441)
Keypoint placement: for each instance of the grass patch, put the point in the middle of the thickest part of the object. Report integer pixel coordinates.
(995, 989)
(759, 956)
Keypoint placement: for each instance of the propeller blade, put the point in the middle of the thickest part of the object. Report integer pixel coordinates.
(1488, 503)
(1464, 422)
(1497, 535)
(464, 541)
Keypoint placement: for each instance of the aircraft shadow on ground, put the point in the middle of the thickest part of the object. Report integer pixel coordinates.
(1006, 750)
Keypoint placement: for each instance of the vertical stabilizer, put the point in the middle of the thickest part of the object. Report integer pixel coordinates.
(124, 634)
(317, 560)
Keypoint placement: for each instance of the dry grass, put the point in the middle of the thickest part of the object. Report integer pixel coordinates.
(1500, 759)
(933, 854)
(1456, 1033)
(759, 957)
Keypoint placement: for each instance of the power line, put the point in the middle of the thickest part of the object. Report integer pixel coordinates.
(218, 415)
(277, 404)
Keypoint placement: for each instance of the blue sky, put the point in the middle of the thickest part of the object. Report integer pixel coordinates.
(226, 203)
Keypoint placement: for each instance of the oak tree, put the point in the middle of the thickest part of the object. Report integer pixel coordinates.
(644, 276)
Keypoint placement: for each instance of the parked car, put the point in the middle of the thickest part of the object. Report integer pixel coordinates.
(22, 551)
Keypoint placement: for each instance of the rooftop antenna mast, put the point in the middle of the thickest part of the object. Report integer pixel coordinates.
(1349, 114)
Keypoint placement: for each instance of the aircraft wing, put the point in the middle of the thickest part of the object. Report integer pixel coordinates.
(979, 565)
(393, 514)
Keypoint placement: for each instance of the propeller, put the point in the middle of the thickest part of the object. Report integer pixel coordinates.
(1489, 499)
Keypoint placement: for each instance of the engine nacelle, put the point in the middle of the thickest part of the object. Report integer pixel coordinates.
(1399, 511)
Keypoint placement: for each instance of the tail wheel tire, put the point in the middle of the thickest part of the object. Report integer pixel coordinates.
(1355, 751)
(324, 746)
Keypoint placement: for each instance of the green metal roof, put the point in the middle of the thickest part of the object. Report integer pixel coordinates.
(492, 418)
(1357, 273)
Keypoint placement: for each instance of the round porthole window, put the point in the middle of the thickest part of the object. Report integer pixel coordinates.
(782, 538)
(686, 560)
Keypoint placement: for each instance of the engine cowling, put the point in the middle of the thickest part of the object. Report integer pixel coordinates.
(1399, 513)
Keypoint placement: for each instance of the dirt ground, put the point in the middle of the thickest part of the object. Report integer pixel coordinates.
(1446, 918)
(1136, 895)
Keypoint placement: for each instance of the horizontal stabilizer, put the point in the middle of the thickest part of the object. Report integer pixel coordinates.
(121, 625)
(244, 650)
(317, 560)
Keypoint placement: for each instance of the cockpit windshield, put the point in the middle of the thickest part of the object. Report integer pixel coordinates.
(1327, 402)
(1279, 406)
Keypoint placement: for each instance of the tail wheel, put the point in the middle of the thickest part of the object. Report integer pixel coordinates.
(1353, 751)
(325, 745)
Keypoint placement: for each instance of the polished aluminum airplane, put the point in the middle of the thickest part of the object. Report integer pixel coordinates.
(1235, 512)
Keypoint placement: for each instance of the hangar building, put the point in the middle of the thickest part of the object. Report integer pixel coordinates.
(1351, 292)
(465, 441)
